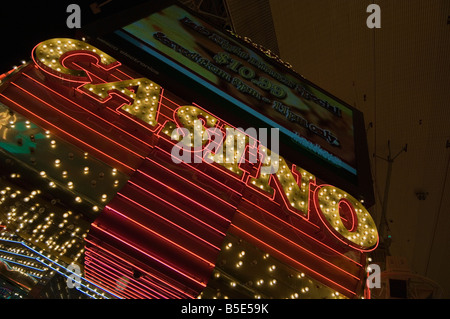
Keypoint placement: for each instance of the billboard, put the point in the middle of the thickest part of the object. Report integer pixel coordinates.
(310, 117)
(243, 82)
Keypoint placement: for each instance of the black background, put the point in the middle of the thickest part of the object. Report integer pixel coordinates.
(23, 24)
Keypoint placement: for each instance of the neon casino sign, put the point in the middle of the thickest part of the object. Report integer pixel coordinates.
(269, 191)
(328, 202)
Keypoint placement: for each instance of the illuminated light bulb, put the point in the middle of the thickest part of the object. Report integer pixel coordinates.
(78, 199)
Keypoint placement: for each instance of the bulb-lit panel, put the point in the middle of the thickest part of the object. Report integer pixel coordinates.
(50, 191)
(243, 271)
(57, 163)
(61, 232)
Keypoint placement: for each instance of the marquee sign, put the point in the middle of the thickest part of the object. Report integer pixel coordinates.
(165, 226)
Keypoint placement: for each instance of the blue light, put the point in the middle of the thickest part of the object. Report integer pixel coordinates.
(63, 267)
(9, 252)
(22, 265)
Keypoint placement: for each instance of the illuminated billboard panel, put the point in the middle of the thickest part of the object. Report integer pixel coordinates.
(256, 88)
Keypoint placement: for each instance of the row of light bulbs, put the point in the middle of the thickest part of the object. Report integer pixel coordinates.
(267, 280)
(51, 230)
(86, 288)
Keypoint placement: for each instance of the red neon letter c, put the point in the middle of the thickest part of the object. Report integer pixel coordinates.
(49, 56)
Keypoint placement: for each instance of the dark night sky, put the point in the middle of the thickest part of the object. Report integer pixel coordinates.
(26, 23)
